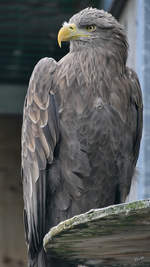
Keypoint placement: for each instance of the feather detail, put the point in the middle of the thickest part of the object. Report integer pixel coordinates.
(39, 139)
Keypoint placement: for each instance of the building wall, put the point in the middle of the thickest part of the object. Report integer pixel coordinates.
(12, 98)
(136, 18)
(143, 64)
(128, 19)
(12, 243)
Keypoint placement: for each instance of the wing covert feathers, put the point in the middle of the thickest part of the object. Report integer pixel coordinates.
(36, 148)
(39, 137)
(137, 101)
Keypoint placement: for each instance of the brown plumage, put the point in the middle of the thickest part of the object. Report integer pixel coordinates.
(81, 130)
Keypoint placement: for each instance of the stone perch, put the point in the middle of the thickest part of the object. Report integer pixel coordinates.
(116, 236)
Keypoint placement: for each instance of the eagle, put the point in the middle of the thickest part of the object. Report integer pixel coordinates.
(82, 127)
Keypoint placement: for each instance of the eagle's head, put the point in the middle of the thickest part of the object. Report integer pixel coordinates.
(95, 28)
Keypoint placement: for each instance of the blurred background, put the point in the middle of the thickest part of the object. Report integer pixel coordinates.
(28, 32)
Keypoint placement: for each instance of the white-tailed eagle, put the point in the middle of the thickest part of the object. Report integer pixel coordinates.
(82, 128)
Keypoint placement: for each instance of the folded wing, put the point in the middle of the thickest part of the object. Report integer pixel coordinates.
(40, 134)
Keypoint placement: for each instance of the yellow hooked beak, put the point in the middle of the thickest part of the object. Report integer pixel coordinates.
(70, 32)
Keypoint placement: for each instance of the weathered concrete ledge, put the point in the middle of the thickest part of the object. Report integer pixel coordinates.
(118, 235)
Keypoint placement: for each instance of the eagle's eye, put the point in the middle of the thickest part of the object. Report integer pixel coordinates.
(91, 28)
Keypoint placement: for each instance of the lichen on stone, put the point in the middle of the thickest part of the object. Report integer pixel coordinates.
(118, 232)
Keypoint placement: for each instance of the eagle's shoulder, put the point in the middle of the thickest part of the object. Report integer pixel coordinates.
(135, 87)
